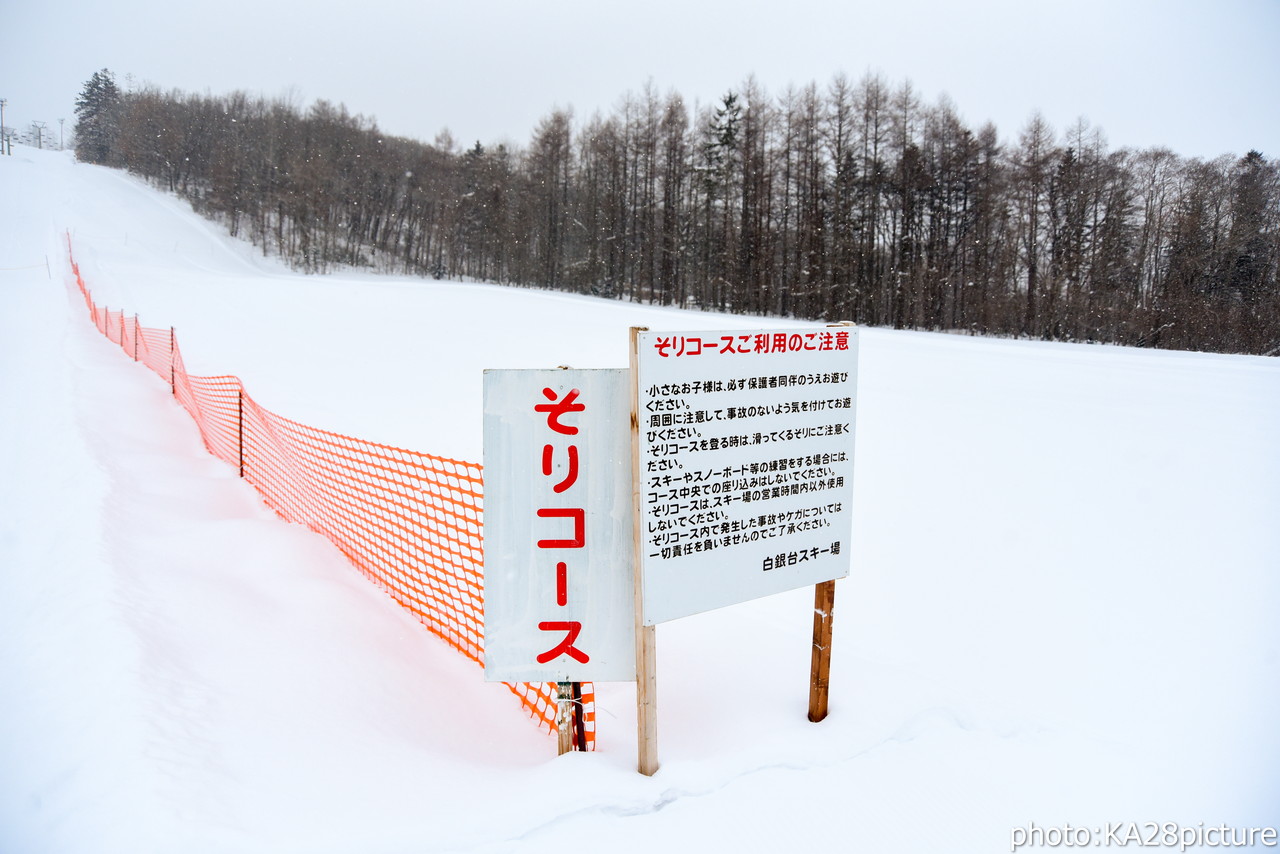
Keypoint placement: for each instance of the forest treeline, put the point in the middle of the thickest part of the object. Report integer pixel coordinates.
(849, 201)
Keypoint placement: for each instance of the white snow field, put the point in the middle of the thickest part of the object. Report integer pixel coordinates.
(1064, 606)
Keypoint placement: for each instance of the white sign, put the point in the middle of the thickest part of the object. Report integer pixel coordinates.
(746, 464)
(558, 553)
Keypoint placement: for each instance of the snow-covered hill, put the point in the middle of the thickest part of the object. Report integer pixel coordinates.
(1063, 605)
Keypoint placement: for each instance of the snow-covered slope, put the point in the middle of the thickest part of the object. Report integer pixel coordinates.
(1063, 606)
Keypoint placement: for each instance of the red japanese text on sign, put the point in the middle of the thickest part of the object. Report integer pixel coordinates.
(559, 604)
(555, 410)
(683, 346)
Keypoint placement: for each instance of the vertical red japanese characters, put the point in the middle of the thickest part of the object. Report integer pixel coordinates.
(559, 552)
(559, 593)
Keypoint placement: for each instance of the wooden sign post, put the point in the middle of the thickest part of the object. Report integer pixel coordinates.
(570, 734)
(824, 600)
(646, 636)
(824, 603)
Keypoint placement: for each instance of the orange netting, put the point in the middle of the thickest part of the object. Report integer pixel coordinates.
(411, 522)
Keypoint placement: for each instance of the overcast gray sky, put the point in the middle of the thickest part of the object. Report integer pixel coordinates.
(1198, 77)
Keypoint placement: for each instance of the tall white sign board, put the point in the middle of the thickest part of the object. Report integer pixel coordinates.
(558, 552)
(745, 464)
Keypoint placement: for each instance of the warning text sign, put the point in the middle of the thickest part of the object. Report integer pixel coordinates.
(745, 464)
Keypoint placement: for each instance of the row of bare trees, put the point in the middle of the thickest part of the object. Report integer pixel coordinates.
(850, 201)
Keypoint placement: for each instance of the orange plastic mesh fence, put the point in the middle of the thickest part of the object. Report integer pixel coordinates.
(411, 522)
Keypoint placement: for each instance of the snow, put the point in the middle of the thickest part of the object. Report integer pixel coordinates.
(1063, 604)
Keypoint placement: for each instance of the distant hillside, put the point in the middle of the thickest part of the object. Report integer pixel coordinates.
(854, 201)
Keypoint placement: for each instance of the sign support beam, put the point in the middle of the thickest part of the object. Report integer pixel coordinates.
(570, 730)
(824, 600)
(646, 636)
(824, 603)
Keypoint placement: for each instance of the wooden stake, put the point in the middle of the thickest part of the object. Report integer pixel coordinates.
(564, 718)
(646, 636)
(647, 699)
(571, 730)
(579, 723)
(824, 601)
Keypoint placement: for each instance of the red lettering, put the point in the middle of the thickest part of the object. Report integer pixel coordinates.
(579, 518)
(559, 408)
(572, 629)
(571, 477)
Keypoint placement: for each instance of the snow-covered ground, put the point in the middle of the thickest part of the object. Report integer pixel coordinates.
(1063, 607)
